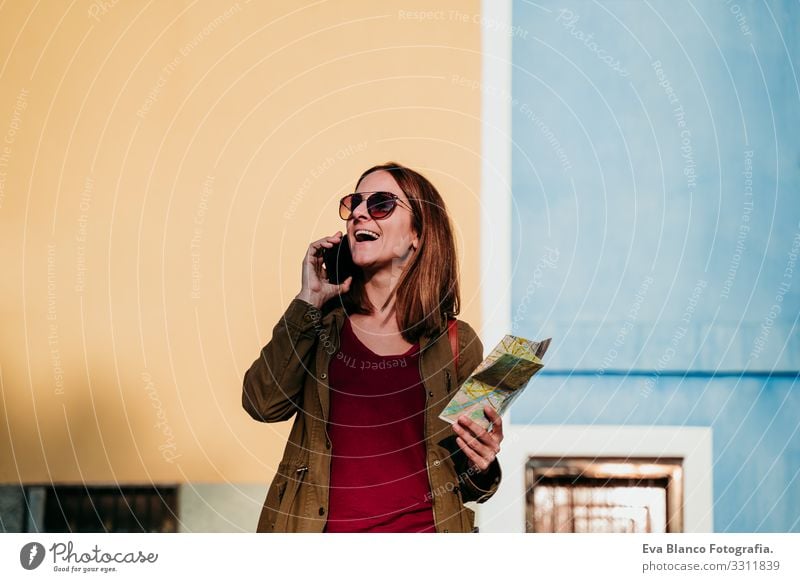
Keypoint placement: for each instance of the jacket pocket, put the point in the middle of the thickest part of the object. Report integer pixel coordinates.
(288, 516)
(275, 496)
(269, 512)
(281, 487)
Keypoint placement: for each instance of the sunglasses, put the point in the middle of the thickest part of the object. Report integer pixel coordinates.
(379, 204)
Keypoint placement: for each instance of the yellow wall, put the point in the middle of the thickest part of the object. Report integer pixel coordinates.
(163, 167)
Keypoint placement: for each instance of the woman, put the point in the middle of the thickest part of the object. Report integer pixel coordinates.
(366, 367)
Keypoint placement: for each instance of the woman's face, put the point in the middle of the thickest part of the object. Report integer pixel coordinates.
(396, 236)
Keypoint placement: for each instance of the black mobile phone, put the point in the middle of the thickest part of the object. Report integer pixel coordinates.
(338, 261)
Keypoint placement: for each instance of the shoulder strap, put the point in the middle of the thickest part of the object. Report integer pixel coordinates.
(452, 331)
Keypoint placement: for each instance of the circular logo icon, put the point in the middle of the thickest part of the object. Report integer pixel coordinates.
(31, 555)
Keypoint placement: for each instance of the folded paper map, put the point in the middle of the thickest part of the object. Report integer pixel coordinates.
(498, 380)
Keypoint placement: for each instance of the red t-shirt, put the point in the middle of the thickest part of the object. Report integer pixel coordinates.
(379, 481)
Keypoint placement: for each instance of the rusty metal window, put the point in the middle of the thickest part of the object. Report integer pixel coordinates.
(580, 495)
(141, 509)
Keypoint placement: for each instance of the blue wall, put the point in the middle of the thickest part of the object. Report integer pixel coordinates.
(656, 228)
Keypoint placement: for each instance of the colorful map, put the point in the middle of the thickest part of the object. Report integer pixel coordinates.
(498, 380)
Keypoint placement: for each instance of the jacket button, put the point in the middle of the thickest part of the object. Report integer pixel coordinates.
(430, 394)
(327, 444)
(436, 462)
(322, 511)
(323, 375)
(446, 531)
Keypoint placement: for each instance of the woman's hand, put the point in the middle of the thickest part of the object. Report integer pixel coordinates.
(315, 287)
(480, 445)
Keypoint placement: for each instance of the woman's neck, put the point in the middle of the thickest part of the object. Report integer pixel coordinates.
(378, 287)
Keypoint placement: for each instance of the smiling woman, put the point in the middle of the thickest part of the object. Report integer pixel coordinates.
(367, 451)
(415, 263)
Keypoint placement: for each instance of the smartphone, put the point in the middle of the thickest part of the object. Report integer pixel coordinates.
(338, 261)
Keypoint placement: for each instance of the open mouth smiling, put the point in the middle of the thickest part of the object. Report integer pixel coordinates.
(364, 235)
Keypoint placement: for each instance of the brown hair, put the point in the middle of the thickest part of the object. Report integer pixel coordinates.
(427, 293)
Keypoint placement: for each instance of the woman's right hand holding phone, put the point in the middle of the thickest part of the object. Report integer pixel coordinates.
(316, 289)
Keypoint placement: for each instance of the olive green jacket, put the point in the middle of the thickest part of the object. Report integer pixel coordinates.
(290, 378)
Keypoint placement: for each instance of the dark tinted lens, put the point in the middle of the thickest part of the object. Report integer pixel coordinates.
(380, 204)
(347, 205)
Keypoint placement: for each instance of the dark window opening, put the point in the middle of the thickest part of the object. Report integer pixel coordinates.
(86, 509)
(580, 495)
